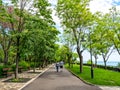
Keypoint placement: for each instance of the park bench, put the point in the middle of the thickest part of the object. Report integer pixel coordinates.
(7, 72)
(20, 69)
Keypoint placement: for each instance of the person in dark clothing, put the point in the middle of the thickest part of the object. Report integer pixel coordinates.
(57, 67)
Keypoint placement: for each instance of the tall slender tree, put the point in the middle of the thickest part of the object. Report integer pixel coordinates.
(75, 16)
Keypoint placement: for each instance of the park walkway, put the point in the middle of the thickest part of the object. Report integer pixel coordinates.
(52, 80)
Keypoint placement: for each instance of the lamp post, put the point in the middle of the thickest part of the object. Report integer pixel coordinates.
(92, 72)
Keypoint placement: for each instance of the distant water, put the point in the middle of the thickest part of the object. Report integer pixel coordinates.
(109, 63)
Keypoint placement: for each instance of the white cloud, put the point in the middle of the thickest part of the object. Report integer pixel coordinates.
(100, 5)
(103, 5)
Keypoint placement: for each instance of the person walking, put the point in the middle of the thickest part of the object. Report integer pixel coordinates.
(57, 67)
(61, 65)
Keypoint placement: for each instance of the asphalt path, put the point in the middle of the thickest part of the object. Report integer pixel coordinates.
(63, 80)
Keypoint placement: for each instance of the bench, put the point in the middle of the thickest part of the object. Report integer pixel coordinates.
(20, 69)
(7, 72)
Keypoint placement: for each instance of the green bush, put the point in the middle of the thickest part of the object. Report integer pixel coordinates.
(89, 62)
(13, 67)
(1, 67)
(32, 64)
(77, 62)
(24, 65)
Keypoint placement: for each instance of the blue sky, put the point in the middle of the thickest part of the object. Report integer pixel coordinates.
(116, 2)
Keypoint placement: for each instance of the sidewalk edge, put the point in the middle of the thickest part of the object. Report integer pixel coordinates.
(81, 78)
(34, 78)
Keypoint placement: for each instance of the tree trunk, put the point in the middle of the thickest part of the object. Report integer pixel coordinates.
(105, 64)
(5, 57)
(68, 60)
(77, 39)
(34, 65)
(17, 57)
(81, 63)
(46, 62)
(95, 61)
(81, 59)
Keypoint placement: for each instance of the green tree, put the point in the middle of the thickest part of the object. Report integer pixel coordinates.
(68, 40)
(6, 29)
(28, 12)
(114, 27)
(101, 43)
(75, 16)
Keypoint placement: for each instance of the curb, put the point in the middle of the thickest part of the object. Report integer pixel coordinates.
(34, 78)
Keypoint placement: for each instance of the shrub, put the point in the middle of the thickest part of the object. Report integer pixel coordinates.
(89, 62)
(1, 67)
(77, 62)
(13, 67)
(34, 64)
(4, 66)
(24, 65)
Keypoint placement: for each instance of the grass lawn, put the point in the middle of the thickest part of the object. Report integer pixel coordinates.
(101, 76)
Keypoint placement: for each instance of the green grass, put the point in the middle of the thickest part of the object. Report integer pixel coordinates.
(101, 76)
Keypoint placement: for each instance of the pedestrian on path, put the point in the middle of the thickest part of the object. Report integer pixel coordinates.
(61, 65)
(57, 67)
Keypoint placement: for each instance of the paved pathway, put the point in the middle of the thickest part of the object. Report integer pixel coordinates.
(17, 86)
(52, 80)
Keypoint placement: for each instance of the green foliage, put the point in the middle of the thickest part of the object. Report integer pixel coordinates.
(75, 17)
(4, 66)
(32, 33)
(101, 76)
(77, 62)
(1, 67)
(63, 53)
(16, 80)
(13, 66)
(24, 64)
(89, 62)
(32, 64)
